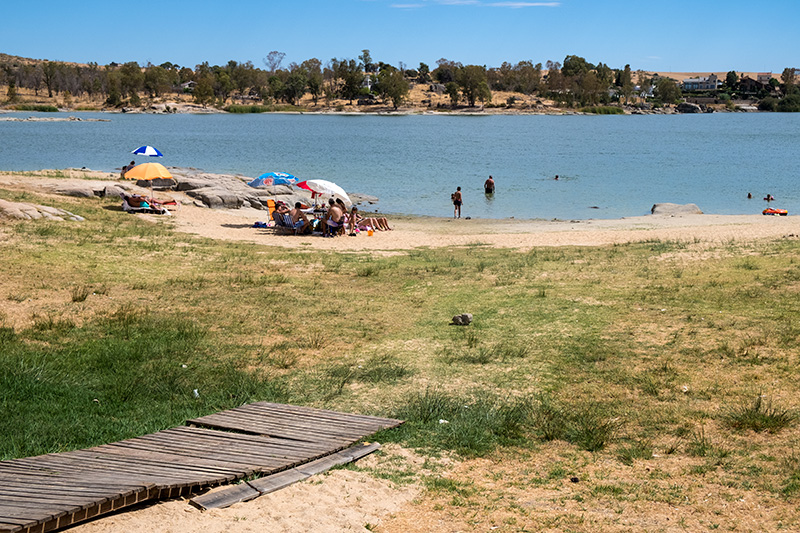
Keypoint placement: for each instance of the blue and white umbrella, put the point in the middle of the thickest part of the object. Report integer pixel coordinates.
(147, 150)
(273, 178)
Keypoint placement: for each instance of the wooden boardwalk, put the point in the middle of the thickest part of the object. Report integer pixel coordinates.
(47, 492)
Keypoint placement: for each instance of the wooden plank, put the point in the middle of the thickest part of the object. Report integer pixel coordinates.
(160, 461)
(134, 450)
(240, 438)
(243, 421)
(222, 499)
(249, 445)
(230, 448)
(326, 417)
(336, 415)
(88, 461)
(288, 429)
(275, 430)
(225, 498)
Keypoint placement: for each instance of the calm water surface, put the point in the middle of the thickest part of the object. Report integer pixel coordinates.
(609, 166)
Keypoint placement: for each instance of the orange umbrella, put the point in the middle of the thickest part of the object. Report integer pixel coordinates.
(148, 171)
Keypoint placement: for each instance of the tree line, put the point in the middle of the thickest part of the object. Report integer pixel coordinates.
(573, 82)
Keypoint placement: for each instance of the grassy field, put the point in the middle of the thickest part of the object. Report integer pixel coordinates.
(604, 381)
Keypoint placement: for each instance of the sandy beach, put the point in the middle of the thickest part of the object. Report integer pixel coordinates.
(414, 232)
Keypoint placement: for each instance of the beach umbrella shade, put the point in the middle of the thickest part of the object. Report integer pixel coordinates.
(148, 171)
(273, 178)
(148, 150)
(324, 188)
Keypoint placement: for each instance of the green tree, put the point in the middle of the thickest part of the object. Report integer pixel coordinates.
(131, 79)
(589, 88)
(473, 83)
(626, 83)
(556, 85)
(296, 83)
(49, 71)
(790, 103)
(273, 61)
(788, 81)
(12, 90)
(528, 77)
(352, 77)
(313, 68)
(392, 85)
(769, 103)
(445, 72)
(667, 91)
(366, 60)
(424, 73)
(575, 66)
(731, 80)
(452, 91)
(203, 92)
(156, 81)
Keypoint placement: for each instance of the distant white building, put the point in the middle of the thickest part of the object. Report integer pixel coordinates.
(709, 83)
(763, 77)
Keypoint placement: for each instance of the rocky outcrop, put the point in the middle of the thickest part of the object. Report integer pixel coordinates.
(686, 107)
(675, 209)
(224, 191)
(219, 191)
(25, 211)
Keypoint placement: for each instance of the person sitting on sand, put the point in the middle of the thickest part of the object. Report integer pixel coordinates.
(299, 219)
(334, 218)
(126, 168)
(280, 209)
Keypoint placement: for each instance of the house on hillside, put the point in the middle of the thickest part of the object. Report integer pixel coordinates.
(709, 83)
(764, 77)
(748, 85)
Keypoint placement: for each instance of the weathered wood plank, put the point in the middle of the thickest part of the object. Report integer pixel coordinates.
(321, 416)
(252, 489)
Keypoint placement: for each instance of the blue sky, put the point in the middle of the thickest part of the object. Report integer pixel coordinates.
(679, 35)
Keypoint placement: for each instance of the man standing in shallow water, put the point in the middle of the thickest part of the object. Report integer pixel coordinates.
(488, 186)
(457, 201)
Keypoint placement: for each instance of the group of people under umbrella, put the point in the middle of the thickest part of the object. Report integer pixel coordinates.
(331, 220)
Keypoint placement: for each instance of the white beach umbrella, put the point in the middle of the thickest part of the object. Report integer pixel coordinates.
(325, 188)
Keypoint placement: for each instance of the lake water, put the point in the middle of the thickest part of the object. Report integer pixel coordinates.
(609, 166)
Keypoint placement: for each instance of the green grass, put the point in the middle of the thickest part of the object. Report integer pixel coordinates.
(40, 108)
(603, 110)
(759, 415)
(632, 352)
(261, 108)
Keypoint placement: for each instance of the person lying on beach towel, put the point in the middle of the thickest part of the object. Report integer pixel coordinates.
(355, 220)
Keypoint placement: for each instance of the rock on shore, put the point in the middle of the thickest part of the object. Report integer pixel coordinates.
(25, 211)
(218, 191)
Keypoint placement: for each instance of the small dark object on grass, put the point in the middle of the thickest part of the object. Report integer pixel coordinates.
(464, 319)
(574, 479)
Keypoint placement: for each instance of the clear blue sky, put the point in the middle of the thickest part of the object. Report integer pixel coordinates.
(678, 35)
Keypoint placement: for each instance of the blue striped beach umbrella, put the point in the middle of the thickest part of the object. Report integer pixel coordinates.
(147, 150)
(273, 178)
